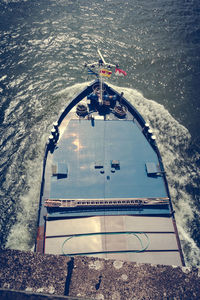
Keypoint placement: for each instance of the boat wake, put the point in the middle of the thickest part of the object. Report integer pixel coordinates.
(27, 160)
(174, 143)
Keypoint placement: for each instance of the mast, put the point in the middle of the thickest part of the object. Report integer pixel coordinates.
(101, 87)
(101, 56)
(102, 63)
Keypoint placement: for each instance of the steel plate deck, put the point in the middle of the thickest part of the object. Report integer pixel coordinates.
(82, 235)
(84, 146)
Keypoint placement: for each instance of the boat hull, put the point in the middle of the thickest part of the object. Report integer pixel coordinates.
(104, 190)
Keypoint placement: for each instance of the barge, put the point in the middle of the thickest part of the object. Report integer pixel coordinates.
(104, 190)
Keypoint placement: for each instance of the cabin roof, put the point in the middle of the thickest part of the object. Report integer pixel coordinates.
(103, 160)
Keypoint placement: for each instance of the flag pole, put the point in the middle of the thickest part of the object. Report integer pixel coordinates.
(101, 62)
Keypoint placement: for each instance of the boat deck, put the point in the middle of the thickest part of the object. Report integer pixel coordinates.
(105, 193)
(115, 237)
(89, 149)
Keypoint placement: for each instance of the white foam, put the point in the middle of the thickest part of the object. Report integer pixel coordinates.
(22, 233)
(3, 77)
(21, 236)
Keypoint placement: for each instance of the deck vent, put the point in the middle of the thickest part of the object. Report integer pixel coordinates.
(152, 169)
(60, 170)
(98, 165)
(115, 164)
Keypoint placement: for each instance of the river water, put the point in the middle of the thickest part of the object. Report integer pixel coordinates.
(43, 47)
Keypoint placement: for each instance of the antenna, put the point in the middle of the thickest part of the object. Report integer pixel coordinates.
(101, 56)
(97, 63)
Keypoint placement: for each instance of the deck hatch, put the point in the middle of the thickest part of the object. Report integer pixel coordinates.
(115, 164)
(98, 165)
(151, 168)
(162, 249)
(60, 170)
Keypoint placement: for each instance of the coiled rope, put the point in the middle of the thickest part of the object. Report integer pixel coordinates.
(136, 234)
